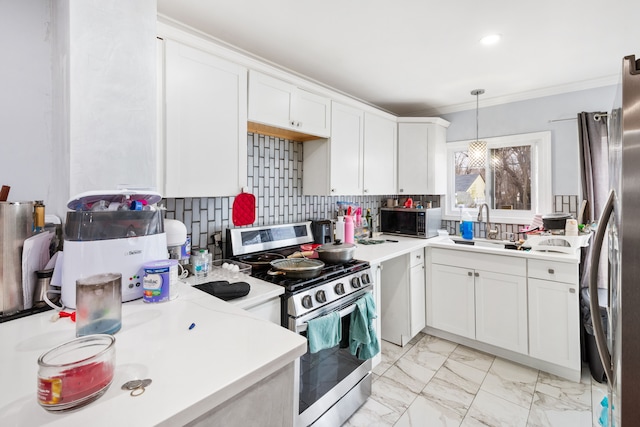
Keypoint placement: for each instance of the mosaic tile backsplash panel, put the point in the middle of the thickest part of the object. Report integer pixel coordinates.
(274, 168)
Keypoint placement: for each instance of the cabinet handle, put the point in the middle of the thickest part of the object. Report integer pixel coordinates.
(366, 191)
(401, 190)
(298, 124)
(293, 123)
(551, 271)
(418, 256)
(476, 274)
(469, 273)
(572, 290)
(333, 190)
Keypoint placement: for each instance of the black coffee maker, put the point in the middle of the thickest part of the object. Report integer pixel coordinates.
(322, 230)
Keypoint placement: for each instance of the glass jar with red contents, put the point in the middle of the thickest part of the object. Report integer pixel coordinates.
(76, 373)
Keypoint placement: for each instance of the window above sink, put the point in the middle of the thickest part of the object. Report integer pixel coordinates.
(515, 180)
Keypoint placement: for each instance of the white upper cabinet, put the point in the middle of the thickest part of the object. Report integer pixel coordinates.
(204, 149)
(277, 103)
(334, 166)
(422, 156)
(358, 159)
(380, 148)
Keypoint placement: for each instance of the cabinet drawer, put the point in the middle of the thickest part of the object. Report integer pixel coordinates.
(479, 261)
(416, 257)
(556, 271)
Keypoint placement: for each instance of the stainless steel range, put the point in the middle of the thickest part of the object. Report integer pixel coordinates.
(333, 382)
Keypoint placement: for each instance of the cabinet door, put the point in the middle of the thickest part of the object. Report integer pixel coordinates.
(346, 149)
(394, 300)
(380, 147)
(417, 300)
(270, 100)
(451, 300)
(501, 310)
(554, 329)
(205, 124)
(311, 113)
(422, 158)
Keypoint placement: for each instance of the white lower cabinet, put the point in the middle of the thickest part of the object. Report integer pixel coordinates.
(501, 310)
(467, 296)
(402, 297)
(523, 309)
(554, 319)
(451, 300)
(268, 310)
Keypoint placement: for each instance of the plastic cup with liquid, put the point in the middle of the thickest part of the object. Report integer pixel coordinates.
(99, 304)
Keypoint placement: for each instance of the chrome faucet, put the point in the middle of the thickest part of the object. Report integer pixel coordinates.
(489, 233)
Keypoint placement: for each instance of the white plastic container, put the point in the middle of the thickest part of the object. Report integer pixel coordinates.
(340, 229)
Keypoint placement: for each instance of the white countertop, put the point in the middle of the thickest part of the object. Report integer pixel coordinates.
(193, 370)
(384, 251)
(260, 292)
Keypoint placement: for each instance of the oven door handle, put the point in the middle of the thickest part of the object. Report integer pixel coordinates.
(344, 312)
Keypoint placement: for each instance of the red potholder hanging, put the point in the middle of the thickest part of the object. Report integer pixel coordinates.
(244, 209)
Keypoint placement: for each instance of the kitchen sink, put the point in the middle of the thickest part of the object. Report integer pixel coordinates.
(488, 243)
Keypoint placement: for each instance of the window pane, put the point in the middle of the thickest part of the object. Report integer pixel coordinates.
(470, 182)
(511, 172)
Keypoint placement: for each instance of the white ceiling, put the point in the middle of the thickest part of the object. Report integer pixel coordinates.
(415, 57)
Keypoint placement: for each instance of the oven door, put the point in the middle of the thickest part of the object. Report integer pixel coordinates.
(333, 383)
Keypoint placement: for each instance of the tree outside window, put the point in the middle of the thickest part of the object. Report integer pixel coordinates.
(510, 180)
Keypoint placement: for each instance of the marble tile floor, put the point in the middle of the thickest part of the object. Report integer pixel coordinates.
(433, 382)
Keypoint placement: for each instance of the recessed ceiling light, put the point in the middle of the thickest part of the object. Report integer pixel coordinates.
(490, 39)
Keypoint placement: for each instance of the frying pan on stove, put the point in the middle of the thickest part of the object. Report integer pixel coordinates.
(296, 268)
(260, 261)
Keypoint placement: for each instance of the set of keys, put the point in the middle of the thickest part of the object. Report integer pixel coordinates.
(136, 387)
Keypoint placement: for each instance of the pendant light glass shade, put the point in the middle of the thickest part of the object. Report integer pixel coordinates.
(477, 149)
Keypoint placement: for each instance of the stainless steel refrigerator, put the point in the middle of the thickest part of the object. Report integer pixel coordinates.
(619, 350)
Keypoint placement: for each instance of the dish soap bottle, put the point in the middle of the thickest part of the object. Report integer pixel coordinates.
(466, 226)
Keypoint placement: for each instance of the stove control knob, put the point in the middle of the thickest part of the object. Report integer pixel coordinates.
(339, 288)
(365, 279)
(321, 297)
(307, 302)
(355, 282)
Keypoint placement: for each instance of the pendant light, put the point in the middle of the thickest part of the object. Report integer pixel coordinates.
(477, 149)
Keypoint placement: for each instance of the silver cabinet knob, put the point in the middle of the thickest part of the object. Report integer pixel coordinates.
(401, 190)
(366, 190)
(551, 271)
(469, 274)
(477, 274)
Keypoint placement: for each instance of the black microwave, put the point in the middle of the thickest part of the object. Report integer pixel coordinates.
(422, 223)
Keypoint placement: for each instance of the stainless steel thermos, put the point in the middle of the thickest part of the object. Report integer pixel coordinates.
(16, 225)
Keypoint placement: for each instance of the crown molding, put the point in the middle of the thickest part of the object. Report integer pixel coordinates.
(522, 96)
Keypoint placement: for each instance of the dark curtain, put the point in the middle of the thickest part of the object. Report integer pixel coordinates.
(594, 171)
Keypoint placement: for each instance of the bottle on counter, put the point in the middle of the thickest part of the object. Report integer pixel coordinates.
(348, 229)
(340, 229)
(369, 223)
(38, 216)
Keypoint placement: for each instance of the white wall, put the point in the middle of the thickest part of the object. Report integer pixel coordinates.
(25, 100)
(78, 103)
(534, 115)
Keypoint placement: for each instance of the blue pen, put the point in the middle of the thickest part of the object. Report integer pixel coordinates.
(193, 325)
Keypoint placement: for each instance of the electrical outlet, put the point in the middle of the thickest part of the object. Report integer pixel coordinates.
(217, 238)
